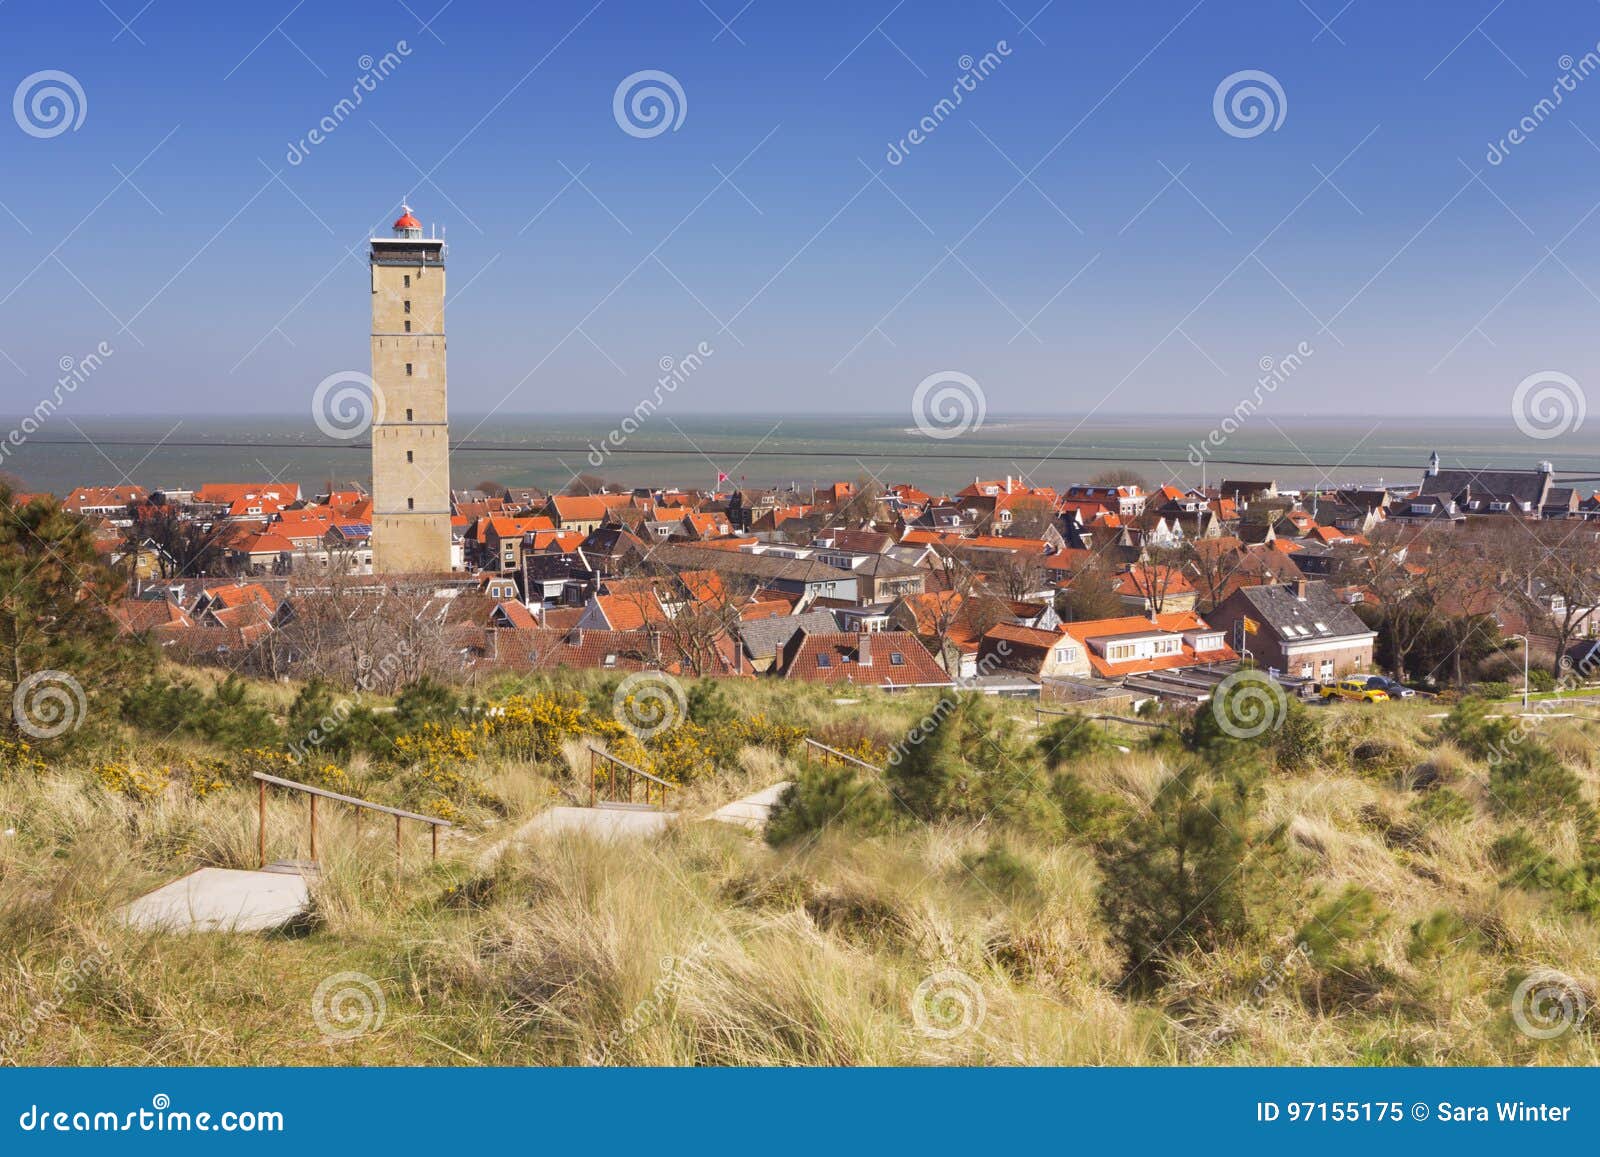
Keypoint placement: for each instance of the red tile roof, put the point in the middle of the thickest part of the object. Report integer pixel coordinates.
(836, 658)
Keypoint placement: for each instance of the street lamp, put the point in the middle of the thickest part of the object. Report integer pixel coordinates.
(1524, 639)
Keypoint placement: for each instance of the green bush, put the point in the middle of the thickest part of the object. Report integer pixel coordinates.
(1002, 872)
(823, 797)
(1533, 782)
(1200, 870)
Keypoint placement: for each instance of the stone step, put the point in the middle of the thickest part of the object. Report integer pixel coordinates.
(221, 900)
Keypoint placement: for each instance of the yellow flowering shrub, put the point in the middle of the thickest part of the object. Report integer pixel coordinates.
(17, 755)
(125, 778)
(208, 775)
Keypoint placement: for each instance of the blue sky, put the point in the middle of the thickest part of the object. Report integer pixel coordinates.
(1149, 261)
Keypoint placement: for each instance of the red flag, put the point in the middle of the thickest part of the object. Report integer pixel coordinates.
(721, 477)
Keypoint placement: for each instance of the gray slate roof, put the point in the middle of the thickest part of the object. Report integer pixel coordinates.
(1280, 608)
(766, 637)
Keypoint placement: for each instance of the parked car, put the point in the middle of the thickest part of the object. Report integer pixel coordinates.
(1393, 689)
(1354, 687)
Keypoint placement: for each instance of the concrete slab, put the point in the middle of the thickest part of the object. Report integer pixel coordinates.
(604, 822)
(613, 822)
(221, 900)
(753, 810)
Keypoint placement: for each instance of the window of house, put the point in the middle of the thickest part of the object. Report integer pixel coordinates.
(611, 660)
(824, 661)
(408, 369)
(896, 659)
(411, 504)
(408, 325)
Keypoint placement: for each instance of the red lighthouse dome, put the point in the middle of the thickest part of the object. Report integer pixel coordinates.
(407, 225)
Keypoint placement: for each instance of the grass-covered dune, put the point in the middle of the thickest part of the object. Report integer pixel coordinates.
(1354, 886)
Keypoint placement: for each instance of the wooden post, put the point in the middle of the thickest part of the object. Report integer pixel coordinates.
(434, 828)
(592, 773)
(397, 850)
(261, 824)
(313, 829)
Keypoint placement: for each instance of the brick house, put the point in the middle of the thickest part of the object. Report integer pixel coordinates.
(1301, 628)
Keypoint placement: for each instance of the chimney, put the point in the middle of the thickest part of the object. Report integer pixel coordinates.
(491, 642)
(864, 649)
(1008, 484)
(1300, 589)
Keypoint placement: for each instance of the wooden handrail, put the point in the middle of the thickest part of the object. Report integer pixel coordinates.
(835, 753)
(596, 755)
(399, 814)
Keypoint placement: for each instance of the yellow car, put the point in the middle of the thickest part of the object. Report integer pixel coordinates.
(1354, 688)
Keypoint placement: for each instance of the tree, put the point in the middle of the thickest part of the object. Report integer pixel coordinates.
(1120, 476)
(55, 614)
(1015, 574)
(1090, 593)
(1215, 563)
(183, 547)
(1031, 516)
(1555, 580)
(1200, 870)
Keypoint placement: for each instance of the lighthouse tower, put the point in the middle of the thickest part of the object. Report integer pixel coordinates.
(410, 427)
